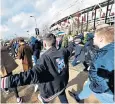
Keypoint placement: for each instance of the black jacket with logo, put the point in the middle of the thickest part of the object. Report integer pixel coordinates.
(52, 73)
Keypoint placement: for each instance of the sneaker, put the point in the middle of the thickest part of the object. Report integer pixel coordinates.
(75, 96)
(40, 99)
(75, 63)
(19, 100)
(36, 88)
(6, 92)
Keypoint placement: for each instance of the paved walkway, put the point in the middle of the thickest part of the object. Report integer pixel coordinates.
(76, 82)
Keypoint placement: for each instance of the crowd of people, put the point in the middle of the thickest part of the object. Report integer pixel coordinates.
(28, 52)
(50, 71)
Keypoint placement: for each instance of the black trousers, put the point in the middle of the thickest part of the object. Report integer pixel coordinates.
(86, 66)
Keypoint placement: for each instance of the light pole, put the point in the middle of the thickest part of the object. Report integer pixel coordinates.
(36, 29)
(15, 35)
(28, 34)
(35, 20)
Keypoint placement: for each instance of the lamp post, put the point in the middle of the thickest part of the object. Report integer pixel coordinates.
(36, 29)
(35, 20)
(28, 34)
(15, 35)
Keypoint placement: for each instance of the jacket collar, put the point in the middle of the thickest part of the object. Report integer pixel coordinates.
(22, 43)
(103, 50)
(109, 46)
(51, 49)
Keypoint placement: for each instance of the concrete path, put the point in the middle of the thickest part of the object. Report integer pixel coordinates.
(76, 83)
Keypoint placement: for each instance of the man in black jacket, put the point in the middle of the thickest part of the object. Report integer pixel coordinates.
(52, 73)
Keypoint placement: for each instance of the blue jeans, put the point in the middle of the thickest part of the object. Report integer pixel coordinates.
(103, 97)
(34, 60)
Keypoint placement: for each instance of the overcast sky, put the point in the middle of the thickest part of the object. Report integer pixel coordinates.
(15, 14)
